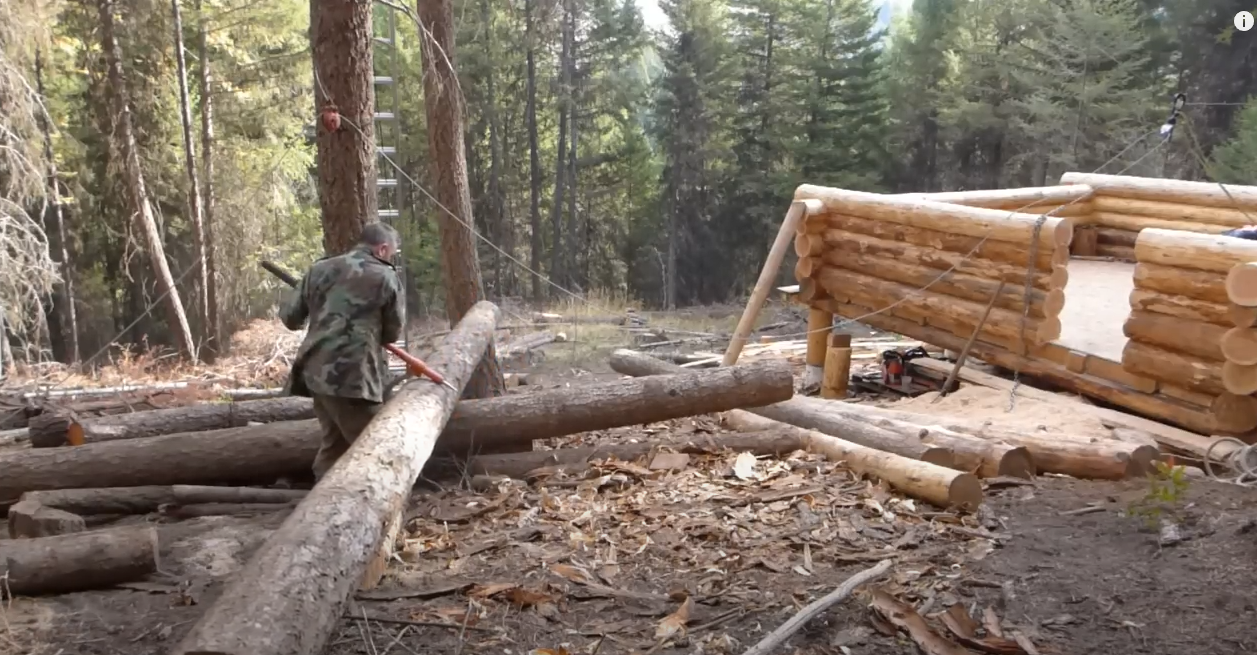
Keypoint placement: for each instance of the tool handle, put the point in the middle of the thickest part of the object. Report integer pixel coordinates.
(415, 365)
(280, 273)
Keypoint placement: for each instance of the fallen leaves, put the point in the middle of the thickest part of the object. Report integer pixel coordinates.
(958, 622)
(675, 623)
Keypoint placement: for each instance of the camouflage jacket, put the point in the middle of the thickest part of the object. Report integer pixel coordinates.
(353, 302)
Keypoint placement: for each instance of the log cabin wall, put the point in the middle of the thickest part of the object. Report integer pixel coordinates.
(868, 256)
(1180, 319)
(1124, 205)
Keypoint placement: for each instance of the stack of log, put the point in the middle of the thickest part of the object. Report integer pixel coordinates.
(936, 264)
(1123, 206)
(1179, 322)
(1239, 344)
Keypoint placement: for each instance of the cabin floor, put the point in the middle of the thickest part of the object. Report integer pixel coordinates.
(1097, 302)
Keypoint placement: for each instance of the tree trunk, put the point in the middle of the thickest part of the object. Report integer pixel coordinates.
(795, 413)
(194, 184)
(572, 249)
(497, 198)
(290, 596)
(64, 304)
(136, 188)
(344, 83)
(192, 418)
(534, 157)
(557, 274)
(214, 326)
(443, 102)
(76, 562)
(547, 414)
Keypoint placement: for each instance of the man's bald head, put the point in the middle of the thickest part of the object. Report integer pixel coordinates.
(382, 239)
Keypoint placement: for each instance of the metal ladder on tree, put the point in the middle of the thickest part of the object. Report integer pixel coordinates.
(388, 133)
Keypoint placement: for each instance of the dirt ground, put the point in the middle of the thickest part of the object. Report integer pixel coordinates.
(606, 563)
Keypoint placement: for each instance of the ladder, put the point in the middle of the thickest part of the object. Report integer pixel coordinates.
(388, 135)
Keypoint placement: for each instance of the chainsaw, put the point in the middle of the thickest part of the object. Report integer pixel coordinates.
(894, 364)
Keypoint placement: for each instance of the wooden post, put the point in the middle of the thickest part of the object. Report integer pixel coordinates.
(1085, 241)
(785, 238)
(819, 324)
(837, 367)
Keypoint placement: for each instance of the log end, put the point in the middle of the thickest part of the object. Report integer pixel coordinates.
(805, 268)
(29, 519)
(75, 435)
(1141, 461)
(939, 456)
(1017, 462)
(1241, 284)
(1049, 330)
(1239, 379)
(1053, 303)
(965, 492)
(1059, 278)
(1234, 413)
(1239, 345)
(1242, 316)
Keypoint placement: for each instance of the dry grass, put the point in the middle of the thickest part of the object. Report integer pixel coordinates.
(22, 622)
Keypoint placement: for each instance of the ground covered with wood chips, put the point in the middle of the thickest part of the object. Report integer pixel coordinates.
(709, 553)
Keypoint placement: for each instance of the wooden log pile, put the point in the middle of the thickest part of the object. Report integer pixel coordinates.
(1123, 206)
(1181, 316)
(937, 264)
(1239, 343)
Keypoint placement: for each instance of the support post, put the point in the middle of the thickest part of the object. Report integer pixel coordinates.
(837, 367)
(798, 212)
(819, 324)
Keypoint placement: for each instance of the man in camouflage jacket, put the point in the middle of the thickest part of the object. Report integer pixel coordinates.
(353, 302)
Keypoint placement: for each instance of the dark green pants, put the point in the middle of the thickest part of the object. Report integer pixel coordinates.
(342, 420)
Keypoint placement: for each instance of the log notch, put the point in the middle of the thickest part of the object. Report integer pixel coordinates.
(195, 418)
(290, 595)
(76, 562)
(794, 413)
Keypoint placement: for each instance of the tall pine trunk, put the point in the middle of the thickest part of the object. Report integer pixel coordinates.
(573, 249)
(497, 201)
(344, 85)
(194, 184)
(534, 156)
(207, 180)
(145, 223)
(64, 308)
(560, 157)
(443, 105)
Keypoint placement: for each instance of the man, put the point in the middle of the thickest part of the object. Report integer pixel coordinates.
(353, 302)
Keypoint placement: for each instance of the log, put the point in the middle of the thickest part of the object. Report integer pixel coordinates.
(1239, 345)
(1241, 284)
(196, 418)
(1049, 453)
(1054, 233)
(1085, 242)
(1049, 197)
(1242, 316)
(1173, 211)
(231, 456)
(998, 251)
(961, 315)
(1173, 281)
(16, 435)
(1183, 307)
(146, 499)
(820, 325)
(1239, 379)
(291, 594)
(1166, 409)
(853, 243)
(1116, 253)
(954, 283)
(1202, 252)
(1207, 194)
(546, 414)
(1202, 340)
(1140, 223)
(78, 562)
(793, 413)
(1114, 237)
(764, 285)
(29, 519)
(939, 485)
(1186, 370)
(837, 371)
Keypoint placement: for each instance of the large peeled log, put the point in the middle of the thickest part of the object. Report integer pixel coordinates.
(1171, 211)
(290, 596)
(999, 225)
(1189, 371)
(77, 562)
(1197, 194)
(1172, 281)
(195, 418)
(1202, 252)
(1197, 338)
(1180, 306)
(1016, 254)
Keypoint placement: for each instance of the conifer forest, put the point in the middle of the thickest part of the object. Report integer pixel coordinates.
(151, 152)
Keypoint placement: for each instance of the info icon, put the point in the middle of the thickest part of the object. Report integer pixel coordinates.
(1244, 21)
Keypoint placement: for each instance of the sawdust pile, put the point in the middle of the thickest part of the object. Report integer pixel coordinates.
(975, 403)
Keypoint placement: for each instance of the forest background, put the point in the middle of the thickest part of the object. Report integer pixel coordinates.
(645, 152)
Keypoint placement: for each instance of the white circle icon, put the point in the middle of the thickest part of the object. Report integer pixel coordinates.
(1243, 21)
